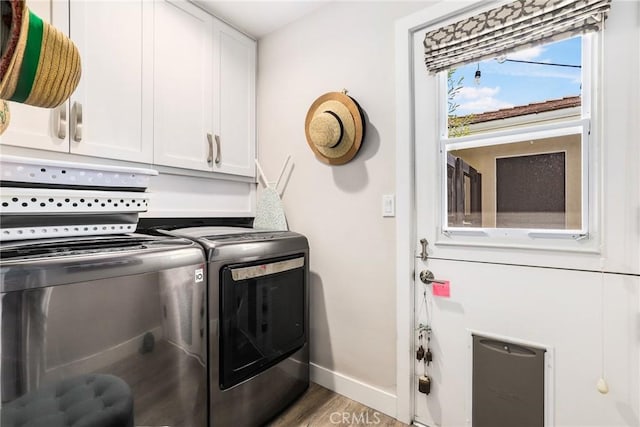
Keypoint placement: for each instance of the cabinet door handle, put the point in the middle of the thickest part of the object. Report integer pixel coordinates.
(61, 122)
(76, 121)
(210, 156)
(218, 150)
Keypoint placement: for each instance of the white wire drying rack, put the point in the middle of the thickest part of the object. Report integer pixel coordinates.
(49, 198)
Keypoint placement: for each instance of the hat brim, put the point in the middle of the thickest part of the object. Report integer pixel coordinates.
(355, 141)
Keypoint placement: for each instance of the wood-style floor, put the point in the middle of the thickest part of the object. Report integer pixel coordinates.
(320, 407)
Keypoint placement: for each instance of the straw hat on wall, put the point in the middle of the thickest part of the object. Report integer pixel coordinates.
(39, 65)
(335, 127)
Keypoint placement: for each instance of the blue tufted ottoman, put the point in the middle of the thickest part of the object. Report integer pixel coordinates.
(92, 400)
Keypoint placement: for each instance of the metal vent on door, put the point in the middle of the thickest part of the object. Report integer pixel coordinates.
(508, 384)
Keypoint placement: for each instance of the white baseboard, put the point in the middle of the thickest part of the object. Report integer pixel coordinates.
(366, 394)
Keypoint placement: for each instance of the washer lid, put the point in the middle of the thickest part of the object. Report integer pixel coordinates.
(51, 262)
(86, 246)
(213, 239)
(210, 232)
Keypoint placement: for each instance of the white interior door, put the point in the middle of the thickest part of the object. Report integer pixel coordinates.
(558, 300)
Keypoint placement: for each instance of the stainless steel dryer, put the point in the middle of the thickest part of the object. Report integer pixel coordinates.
(258, 321)
(103, 331)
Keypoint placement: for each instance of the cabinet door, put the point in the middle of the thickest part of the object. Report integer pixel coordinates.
(35, 127)
(235, 91)
(113, 98)
(183, 78)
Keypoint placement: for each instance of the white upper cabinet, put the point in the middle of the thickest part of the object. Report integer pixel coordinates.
(109, 114)
(183, 80)
(111, 108)
(163, 82)
(204, 89)
(235, 90)
(35, 127)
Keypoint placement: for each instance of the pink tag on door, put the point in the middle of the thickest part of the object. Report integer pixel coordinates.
(441, 289)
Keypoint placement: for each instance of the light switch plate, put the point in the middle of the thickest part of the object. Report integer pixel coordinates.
(388, 205)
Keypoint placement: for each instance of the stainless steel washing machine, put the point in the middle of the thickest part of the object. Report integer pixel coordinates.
(103, 331)
(258, 321)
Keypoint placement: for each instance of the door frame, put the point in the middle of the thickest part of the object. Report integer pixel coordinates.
(406, 249)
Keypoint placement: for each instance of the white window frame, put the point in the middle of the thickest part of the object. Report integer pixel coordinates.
(525, 236)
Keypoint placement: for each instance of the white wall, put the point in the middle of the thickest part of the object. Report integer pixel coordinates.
(339, 208)
(192, 196)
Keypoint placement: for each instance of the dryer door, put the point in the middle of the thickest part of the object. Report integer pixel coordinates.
(262, 313)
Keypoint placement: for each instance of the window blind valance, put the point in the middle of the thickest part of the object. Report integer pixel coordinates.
(517, 25)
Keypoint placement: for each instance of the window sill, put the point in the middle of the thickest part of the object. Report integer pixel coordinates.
(578, 241)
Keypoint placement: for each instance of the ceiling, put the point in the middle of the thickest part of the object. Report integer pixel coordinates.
(259, 18)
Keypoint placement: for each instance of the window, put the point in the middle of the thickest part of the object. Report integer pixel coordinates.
(514, 141)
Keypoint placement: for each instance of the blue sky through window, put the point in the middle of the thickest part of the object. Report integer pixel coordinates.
(509, 84)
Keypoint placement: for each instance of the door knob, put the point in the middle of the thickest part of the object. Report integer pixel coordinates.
(427, 277)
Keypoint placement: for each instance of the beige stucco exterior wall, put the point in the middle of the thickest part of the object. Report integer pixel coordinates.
(483, 159)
